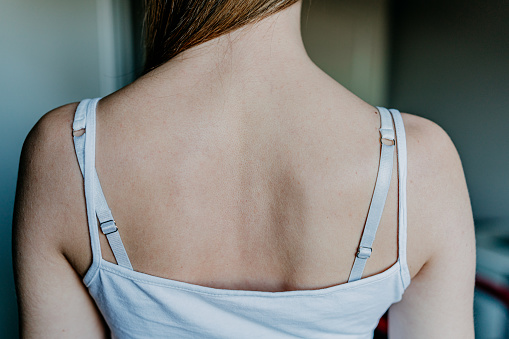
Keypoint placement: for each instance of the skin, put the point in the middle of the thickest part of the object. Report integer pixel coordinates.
(241, 172)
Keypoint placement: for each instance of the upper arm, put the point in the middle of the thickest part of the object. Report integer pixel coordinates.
(439, 301)
(53, 301)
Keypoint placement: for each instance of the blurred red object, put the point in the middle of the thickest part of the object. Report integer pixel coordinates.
(382, 328)
(499, 292)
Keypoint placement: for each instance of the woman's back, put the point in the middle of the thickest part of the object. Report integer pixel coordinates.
(243, 175)
(270, 196)
(166, 307)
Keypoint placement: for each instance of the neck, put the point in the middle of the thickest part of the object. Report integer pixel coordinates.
(254, 55)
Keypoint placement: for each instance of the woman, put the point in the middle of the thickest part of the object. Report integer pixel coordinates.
(248, 189)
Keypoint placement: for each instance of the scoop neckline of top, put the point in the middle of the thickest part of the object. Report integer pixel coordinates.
(181, 285)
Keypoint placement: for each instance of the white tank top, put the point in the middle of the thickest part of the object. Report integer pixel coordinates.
(139, 305)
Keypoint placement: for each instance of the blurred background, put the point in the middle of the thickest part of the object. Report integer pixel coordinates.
(447, 61)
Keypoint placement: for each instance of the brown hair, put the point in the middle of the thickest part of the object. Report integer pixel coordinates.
(172, 26)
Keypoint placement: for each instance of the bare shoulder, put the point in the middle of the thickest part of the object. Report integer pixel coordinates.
(46, 167)
(50, 194)
(53, 119)
(436, 189)
(427, 136)
(49, 136)
(436, 183)
(49, 198)
(439, 300)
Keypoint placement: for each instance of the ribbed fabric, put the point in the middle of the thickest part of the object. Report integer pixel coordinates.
(139, 305)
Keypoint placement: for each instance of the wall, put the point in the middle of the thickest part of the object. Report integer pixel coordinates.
(451, 65)
(348, 39)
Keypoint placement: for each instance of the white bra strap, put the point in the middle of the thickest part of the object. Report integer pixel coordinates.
(402, 207)
(376, 207)
(109, 227)
(86, 113)
(79, 146)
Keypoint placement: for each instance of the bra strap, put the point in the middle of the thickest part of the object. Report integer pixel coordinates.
(85, 110)
(376, 207)
(402, 206)
(109, 227)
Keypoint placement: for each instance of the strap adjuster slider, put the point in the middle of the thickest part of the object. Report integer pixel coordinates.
(364, 252)
(108, 227)
(388, 135)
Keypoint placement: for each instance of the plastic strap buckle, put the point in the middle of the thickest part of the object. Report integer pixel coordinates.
(387, 134)
(364, 252)
(109, 227)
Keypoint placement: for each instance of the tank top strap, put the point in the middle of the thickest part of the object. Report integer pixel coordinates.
(85, 118)
(402, 203)
(382, 185)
